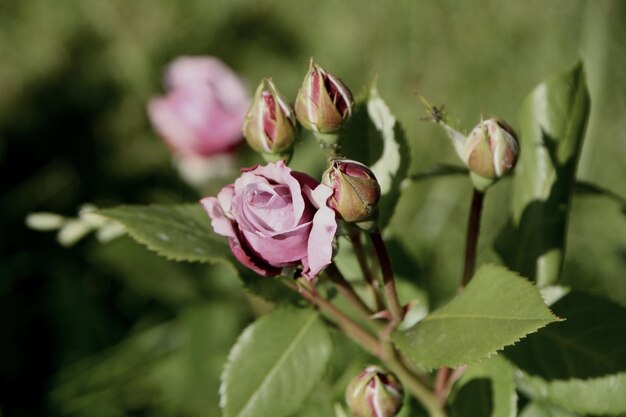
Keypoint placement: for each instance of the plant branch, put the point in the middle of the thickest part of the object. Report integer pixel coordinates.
(389, 283)
(345, 323)
(347, 290)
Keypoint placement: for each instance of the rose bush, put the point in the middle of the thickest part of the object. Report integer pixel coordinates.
(202, 112)
(275, 218)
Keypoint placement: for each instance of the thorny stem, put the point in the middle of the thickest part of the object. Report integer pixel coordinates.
(389, 283)
(355, 237)
(473, 230)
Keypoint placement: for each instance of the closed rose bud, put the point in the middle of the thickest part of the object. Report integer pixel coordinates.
(491, 149)
(270, 125)
(355, 190)
(374, 393)
(324, 103)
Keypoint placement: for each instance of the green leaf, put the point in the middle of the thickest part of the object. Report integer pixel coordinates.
(502, 377)
(275, 364)
(180, 232)
(375, 138)
(553, 121)
(496, 309)
(597, 396)
(596, 245)
(184, 233)
(591, 342)
(473, 398)
(541, 409)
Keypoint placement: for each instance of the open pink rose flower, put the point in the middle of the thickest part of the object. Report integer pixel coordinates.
(275, 218)
(204, 108)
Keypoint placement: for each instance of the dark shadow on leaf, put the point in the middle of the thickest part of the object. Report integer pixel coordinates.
(542, 226)
(588, 344)
(474, 399)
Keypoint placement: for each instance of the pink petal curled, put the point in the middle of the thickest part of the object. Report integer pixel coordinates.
(320, 243)
(220, 222)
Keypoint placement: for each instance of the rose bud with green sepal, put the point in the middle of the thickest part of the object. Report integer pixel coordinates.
(356, 191)
(270, 125)
(374, 393)
(324, 103)
(491, 149)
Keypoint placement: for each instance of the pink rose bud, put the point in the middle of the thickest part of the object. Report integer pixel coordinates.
(270, 125)
(205, 105)
(491, 149)
(324, 103)
(275, 218)
(374, 393)
(355, 190)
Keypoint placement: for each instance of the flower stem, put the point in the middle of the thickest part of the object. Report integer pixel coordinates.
(354, 234)
(388, 279)
(345, 323)
(473, 230)
(385, 352)
(347, 290)
(443, 380)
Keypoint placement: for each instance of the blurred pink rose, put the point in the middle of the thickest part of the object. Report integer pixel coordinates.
(204, 108)
(274, 218)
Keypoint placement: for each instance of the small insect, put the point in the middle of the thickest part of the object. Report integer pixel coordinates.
(435, 114)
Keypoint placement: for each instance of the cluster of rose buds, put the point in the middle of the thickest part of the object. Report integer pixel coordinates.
(323, 105)
(374, 393)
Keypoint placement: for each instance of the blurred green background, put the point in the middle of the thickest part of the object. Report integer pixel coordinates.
(111, 330)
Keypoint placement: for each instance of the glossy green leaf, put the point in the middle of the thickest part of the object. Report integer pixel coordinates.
(180, 232)
(597, 396)
(590, 342)
(502, 377)
(496, 309)
(375, 138)
(553, 121)
(275, 364)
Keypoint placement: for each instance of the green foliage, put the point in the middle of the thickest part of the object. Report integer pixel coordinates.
(275, 364)
(180, 233)
(590, 342)
(184, 233)
(496, 309)
(167, 370)
(596, 396)
(374, 137)
(502, 388)
(553, 121)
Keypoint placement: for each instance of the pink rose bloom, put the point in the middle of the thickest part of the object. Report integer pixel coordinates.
(204, 108)
(275, 218)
